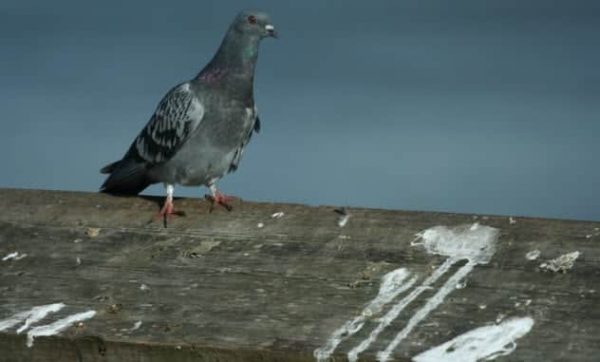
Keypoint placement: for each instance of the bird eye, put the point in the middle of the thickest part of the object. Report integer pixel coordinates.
(252, 19)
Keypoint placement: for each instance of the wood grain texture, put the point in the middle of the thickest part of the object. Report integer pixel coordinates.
(216, 287)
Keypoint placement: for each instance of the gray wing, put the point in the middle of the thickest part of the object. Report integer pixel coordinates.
(175, 119)
(237, 157)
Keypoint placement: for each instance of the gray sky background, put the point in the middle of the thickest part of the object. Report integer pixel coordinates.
(472, 106)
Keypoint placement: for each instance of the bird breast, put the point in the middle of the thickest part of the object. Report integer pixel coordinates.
(216, 148)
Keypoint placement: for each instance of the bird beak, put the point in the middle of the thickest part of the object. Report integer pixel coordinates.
(270, 29)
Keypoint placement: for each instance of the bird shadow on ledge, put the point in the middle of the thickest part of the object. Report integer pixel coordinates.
(184, 202)
(159, 200)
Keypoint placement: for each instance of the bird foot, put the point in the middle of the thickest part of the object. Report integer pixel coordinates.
(220, 199)
(168, 211)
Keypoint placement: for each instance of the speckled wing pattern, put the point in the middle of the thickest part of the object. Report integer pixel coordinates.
(176, 117)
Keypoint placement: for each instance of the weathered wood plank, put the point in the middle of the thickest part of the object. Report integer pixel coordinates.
(218, 287)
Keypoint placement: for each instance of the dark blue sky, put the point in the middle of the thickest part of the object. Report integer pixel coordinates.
(476, 107)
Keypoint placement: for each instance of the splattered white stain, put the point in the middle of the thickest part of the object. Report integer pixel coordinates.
(562, 263)
(393, 284)
(14, 256)
(393, 313)
(58, 326)
(532, 255)
(30, 317)
(483, 343)
(474, 243)
(278, 215)
(144, 287)
(136, 326)
(343, 216)
(343, 220)
(36, 314)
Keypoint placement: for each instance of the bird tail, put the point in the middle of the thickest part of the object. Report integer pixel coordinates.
(110, 167)
(126, 177)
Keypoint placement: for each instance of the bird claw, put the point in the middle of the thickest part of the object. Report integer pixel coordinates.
(167, 212)
(220, 199)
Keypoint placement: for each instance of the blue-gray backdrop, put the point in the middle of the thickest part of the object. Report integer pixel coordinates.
(472, 106)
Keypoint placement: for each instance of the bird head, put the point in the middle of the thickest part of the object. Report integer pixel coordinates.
(255, 23)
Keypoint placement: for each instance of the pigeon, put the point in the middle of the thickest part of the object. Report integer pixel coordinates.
(200, 128)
